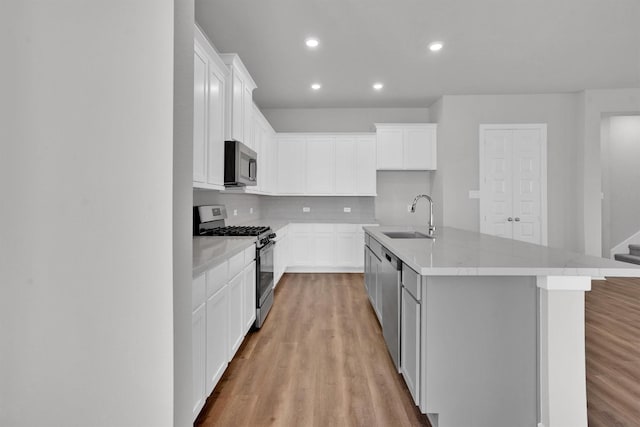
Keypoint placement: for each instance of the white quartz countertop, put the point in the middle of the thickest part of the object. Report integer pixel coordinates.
(210, 251)
(456, 252)
(277, 224)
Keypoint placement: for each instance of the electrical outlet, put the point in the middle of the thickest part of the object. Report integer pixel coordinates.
(250, 210)
(235, 212)
(306, 209)
(347, 210)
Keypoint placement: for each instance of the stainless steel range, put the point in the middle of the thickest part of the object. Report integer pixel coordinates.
(209, 220)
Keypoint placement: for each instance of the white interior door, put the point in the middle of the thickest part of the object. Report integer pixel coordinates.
(496, 198)
(527, 179)
(513, 182)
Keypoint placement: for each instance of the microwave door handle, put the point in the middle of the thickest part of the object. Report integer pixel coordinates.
(253, 169)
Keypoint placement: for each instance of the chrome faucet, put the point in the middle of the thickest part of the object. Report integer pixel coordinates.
(432, 227)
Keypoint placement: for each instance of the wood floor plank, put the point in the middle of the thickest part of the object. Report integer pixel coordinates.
(319, 360)
(612, 335)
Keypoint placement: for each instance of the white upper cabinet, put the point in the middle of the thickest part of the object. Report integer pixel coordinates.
(199, 115)
(346, 165)
(366, 166)
(318, 164)
(210, 75)
(292, 164)
(239, 123)
(390, 148)
(263, 137)
(406, 146)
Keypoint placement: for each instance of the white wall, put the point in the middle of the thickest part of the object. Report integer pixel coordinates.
(459, 119)
(182, 213)
(395, 189)
(621, 203)
(340, 119)
(86, 181)
(594, 105)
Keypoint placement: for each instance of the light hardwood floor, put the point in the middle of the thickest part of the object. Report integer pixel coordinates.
(613, 353)
(320, 360)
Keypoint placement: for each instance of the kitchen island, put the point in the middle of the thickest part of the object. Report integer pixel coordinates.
(491, 329)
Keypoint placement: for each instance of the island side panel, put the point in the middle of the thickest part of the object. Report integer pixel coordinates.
(563, 388)
(480, 351)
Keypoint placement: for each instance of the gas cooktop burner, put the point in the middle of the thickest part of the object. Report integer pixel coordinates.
(236, 231)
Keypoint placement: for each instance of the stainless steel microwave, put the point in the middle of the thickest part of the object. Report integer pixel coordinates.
(240, 165)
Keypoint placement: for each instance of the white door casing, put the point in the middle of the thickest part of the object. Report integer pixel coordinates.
(513, 181)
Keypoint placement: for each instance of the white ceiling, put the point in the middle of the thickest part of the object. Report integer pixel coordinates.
(491, 47)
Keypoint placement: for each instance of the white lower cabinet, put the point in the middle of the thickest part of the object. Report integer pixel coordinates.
(249, 299)
(410, 344)
(236, 320)
(217, 337)
(223, 311)
(198, 358)
(326, 247)
(324, 244)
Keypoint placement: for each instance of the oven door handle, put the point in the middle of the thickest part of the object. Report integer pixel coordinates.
(267, 246)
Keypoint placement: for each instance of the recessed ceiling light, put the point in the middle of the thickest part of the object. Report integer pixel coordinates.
(316, 86)
(311, 42)
(378, 86)
(435, 46)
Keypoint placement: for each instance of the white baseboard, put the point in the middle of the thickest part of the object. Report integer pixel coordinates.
(318, 269)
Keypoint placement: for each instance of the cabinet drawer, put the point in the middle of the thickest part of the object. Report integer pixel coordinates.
(198, 292)
(348, 228)
(217, 278)
(323, 228)
(249, 255)
(411, 281)
(376, 247)
(236, 265)
(301, 228)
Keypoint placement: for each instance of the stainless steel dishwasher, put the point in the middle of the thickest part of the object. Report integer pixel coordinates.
(389, 279)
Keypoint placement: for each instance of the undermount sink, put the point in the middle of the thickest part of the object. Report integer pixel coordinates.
(406, 235)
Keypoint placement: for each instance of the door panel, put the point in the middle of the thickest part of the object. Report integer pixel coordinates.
(496, 190)
(346, 162)
(527, 195)
(366, 166)
(216, 128)
(512, 193)
(390, 149)
(199, 116)
(320, 165)
(292, 166)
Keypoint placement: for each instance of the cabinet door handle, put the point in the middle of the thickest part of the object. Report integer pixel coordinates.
(510, 219)
(517, 219)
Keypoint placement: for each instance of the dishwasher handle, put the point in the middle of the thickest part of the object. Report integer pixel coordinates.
(392, 259)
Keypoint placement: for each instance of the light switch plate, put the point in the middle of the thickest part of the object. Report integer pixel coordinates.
(306, 209)
(408, 208)
(250, 210)
(235, 212)
(347, 210)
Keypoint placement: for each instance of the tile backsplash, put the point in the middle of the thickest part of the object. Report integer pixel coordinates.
(242, 204)
(362, 209)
